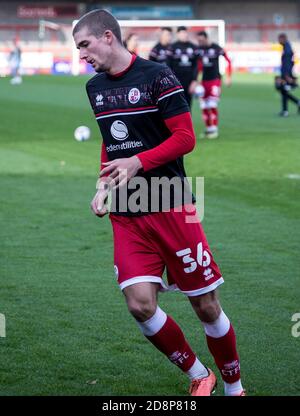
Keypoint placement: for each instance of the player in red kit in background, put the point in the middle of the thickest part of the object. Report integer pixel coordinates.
(146, 127)
(209, 91)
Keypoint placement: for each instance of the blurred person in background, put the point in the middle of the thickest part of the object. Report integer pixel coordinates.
(286, 81)
(209, 91)
(14, 61)
(161, 52)
(131, 43)
(183, 61)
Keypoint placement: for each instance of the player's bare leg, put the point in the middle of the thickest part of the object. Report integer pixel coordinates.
(220, 339)
(162, 331)
(141, 300)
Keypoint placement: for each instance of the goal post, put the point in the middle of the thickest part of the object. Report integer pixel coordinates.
(148, 33)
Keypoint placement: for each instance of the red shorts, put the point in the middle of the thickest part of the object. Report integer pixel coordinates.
(147, 245)
(212, 88)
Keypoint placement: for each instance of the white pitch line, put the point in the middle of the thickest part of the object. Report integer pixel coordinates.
(293, 176)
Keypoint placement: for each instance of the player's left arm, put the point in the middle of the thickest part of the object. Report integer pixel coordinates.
(174, 110)
(228, 68)
(181, 141)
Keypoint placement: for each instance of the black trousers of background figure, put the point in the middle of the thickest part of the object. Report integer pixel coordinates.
(285, 97)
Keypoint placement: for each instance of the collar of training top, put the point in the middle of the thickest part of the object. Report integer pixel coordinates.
(119, 74)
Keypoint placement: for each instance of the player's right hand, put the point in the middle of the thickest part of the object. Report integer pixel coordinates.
(98, 204)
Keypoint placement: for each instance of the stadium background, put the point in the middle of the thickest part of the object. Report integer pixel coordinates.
(67, 329)
(43, 29)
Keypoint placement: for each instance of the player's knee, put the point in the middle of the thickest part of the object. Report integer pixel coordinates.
(142, 310)
(207, 307)
(212, 103)
(209, 312)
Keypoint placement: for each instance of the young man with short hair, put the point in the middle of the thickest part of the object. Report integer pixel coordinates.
(147, 128)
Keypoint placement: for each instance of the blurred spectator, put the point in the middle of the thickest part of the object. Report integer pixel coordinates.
(184, 61)
(14, 60)
(161, 52)
(286, 81)
(131, 43)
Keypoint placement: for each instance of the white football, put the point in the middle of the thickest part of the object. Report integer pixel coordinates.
(199, 91)
(82, 133)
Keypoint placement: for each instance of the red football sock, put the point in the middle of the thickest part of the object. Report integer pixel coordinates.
(171, 342)
(206, 115)
(225, 354)
(214, 117)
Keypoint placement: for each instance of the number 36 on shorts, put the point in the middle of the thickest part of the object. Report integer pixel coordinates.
(203, 258)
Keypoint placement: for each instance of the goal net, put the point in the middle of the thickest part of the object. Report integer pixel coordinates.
(148, 34)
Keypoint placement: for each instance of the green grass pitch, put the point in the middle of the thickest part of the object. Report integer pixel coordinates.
(67, 326)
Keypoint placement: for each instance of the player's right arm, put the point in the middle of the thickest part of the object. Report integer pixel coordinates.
(104, 184)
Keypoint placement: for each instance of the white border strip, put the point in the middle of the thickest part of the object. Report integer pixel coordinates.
(171, 93)
(142, 279)
(127, 114)
(174, 287)
(204, 290)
